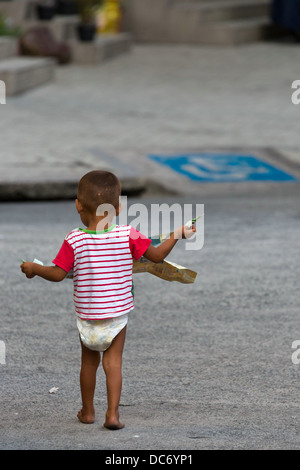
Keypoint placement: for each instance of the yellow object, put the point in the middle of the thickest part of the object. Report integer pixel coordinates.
(109, 17)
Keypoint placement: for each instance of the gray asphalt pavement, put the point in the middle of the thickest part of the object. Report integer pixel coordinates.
(206, 366)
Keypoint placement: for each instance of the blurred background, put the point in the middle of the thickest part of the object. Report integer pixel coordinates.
(131, 85)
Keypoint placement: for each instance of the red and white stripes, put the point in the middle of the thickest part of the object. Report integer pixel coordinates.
(102, 272)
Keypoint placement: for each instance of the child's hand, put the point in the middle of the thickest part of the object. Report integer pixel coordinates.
(27, 269)
(185, 231)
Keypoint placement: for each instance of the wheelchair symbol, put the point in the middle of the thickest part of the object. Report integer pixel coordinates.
(222, 168)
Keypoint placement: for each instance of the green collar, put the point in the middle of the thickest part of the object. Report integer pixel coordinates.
(98, 232)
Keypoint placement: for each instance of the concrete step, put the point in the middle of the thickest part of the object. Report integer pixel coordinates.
(8, 47)
(22, 73)
(219, 22)
(222, 10)
(235, 32)
(63, 28)
(102, 48)
(222, 33)
(199, 21)
(225, 10)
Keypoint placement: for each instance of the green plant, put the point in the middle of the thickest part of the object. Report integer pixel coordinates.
(7, 28)
(87, 9)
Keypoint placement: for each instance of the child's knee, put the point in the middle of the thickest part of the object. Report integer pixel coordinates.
(111, 364)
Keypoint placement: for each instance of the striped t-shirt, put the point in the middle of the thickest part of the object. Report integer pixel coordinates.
(102, 269)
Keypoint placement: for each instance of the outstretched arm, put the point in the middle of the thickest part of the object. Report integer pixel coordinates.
(50, 273)
(159, 253)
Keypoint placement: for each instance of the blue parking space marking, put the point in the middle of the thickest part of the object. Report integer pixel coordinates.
(218, 168)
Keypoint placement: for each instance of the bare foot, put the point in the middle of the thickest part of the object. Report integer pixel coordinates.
(86, 419)
(113, 423)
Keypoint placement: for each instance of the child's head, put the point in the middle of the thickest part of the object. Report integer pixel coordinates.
(98, 187)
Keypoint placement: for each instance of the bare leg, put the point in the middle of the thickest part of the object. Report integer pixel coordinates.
(90, 361)
(112, 365)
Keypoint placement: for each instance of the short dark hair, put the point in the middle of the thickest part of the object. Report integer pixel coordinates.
(98, 187)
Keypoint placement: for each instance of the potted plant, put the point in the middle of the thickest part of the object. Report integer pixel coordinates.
(87, 25)
(45, 9)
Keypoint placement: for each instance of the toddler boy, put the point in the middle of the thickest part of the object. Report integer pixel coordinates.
(101, 256)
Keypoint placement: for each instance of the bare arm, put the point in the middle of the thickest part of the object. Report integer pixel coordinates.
(159, 253)
(50, 273)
